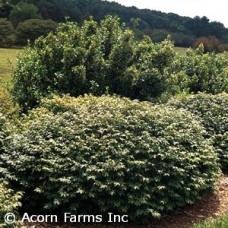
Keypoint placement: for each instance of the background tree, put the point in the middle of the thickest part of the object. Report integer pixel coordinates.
(184, 30)
(210, 44)
(5, 8)
(32, 29)
(199, 26)
(7, 37)
(23, 11)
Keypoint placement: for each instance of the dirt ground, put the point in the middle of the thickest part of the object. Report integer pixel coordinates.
(211, 205)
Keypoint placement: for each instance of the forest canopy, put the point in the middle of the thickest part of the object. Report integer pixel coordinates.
(183, 30)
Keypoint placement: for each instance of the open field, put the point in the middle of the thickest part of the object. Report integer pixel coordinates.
(8, 59)
(180, 49)
(183, 50)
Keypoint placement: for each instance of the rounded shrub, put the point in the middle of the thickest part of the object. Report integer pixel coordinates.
(93, 155)
(9, 200)
(213, 113)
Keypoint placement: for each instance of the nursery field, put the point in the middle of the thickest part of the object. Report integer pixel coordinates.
(106, 123)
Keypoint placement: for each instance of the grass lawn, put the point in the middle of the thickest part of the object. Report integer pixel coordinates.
(182, 50)
(226, 54)
(8, 59)
(214, 223)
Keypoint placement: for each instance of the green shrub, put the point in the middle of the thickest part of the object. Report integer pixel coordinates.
(213, 111)
(204, 72)
(9, 202)
(5, 130)
(7, 107)
(94, 58)
(101, 58)
(2, 130)
(93, 155)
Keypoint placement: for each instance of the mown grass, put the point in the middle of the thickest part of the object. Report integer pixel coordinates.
(182, 50)
(8, 59)
(214, 223)
(226, 54)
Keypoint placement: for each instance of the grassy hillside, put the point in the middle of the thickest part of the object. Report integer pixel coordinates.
(8, 59)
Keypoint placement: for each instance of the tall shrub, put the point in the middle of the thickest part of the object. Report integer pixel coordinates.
(95, 58)
(204, 72)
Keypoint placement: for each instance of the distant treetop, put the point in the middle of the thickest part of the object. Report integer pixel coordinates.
(183, 30)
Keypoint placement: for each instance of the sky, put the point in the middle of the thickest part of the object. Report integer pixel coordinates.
(214, 10)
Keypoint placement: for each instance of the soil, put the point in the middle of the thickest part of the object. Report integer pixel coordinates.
(210, 206)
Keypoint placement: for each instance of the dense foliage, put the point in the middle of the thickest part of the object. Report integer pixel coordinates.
(2, 131)
(194, 71)
(210, 44)
(23, 11)
(94, 58)
(213, 111)
(156, 24)
(91, 155)
(6, 33)
(105, 57)
(7, 107)
(32, 29)
(9, 202)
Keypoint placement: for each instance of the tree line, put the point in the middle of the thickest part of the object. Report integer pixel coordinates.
(28, 19)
